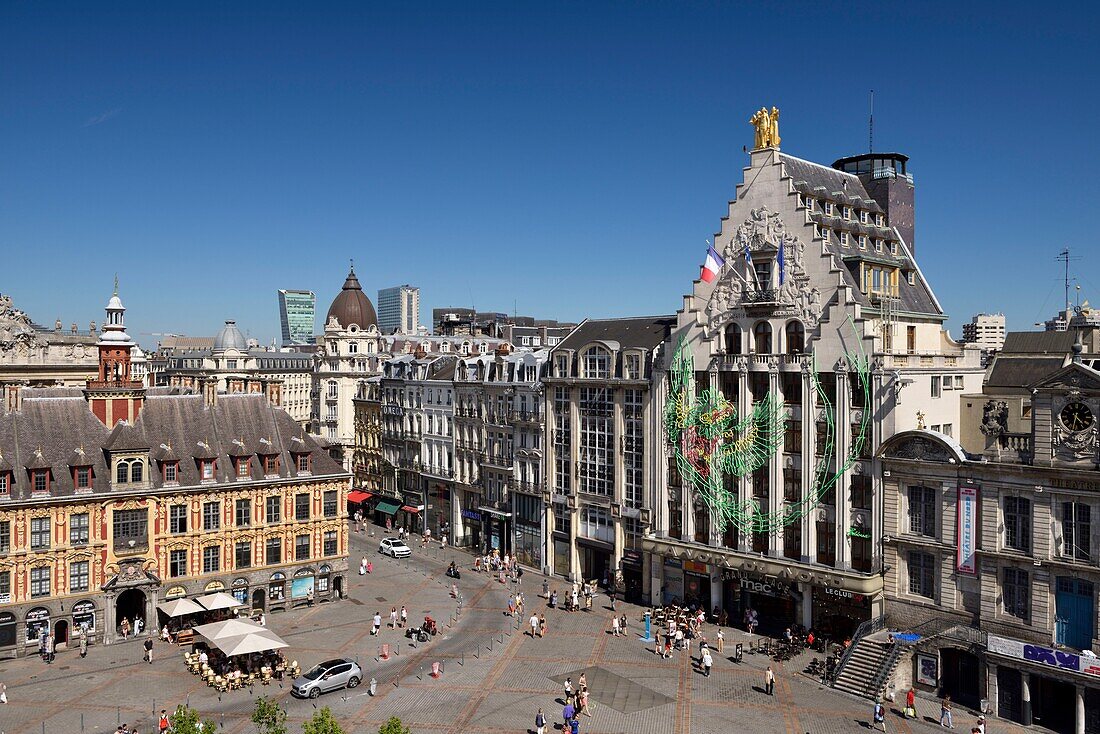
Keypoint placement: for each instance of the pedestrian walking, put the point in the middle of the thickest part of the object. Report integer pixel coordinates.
(540, 723)
(309, 598)
(49, 648)
(3, 693)
(363, 566)
(769, 681)
(721, 640)
(545, 588)
(584, 702)
(583, 681)
(83, 642)
(611, 598)
(615, 625)
(702, 644)
(945, 713)
(567, 689)
(149, 650)
(370, 567)
(567, 714)
(125, 627)
(393, 618)
(657, 642)
(911, 704)
(707, 662)
(162, 723)
(980, 726)
(534, 622)
(377, 623)
(879, 716)
(542, 625)
(404, 616)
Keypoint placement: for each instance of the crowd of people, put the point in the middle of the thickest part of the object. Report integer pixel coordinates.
(227, 673)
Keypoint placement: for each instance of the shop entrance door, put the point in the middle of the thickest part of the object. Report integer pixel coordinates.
(1009, 691)
(60, 632)
(596, 564)
(959, 677)
(1074, 612)
(1053, 704)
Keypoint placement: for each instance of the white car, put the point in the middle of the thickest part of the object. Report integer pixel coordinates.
(394, 547)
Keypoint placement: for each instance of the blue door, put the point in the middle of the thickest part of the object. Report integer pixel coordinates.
(1074, 613)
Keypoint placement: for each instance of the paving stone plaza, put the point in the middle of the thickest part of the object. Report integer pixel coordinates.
(494, 677)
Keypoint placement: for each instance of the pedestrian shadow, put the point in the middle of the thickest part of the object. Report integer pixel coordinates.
(760, 689)
(863, 724)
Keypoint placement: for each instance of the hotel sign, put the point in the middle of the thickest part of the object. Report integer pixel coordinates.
(967, 530)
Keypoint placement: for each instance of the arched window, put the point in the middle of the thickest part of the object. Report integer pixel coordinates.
(122, 473)
(733, 339)
(796, 337)
(762, 337)
(597, 363)
(333, 388)
(136, 471)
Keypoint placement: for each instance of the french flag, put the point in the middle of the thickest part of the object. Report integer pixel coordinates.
(712, 266)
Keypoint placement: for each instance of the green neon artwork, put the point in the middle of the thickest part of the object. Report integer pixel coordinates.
(713, 448)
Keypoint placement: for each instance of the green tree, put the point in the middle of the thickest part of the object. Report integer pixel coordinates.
(393, 726)
(323, 722)
(186, 720)
(269, 717)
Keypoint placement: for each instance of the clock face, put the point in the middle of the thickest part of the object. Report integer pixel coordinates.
(1076, 416)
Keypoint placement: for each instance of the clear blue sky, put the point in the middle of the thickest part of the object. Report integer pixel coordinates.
(567, 159)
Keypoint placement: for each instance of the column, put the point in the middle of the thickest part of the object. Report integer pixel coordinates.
(775, 469)
(1079, 725)
(992, 691)
(807, 605)
(744, 406)
(843, 425)
(1025, 698)
(618, 494)
(573, 502)
(809, 437)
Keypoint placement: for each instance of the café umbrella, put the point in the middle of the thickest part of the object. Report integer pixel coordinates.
(218, 600)
(180, 607)
(229, 628)
(250, 643)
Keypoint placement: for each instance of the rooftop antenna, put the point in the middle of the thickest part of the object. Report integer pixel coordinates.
(871, 125)
(1065, 258)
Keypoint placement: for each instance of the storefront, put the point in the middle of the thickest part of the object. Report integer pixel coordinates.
(497, 525)
(697, 584)
(837, 612)
(631, 568)
(672, 590)
(775, 603)
(359, 501)
(37, 623)
(563, 559)
(276, 588)
(1035, 684)
(596, 558)
(84, 617)
(240, 590)
(439, 498)
(8, 632)
(528, 516)
(384, 511)
(411, 517)
(302, 584)
(470, 518)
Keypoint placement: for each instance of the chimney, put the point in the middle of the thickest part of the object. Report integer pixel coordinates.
(274, 389)
(13, 397)
(210, 391)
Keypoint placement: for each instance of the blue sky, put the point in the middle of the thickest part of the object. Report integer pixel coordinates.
(565, 159)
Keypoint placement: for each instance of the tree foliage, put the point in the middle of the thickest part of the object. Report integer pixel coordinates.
(269, 717)
(323, 722)
(186, 720)
(393, 726)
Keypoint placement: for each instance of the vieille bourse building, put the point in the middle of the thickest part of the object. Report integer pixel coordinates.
(114, 498)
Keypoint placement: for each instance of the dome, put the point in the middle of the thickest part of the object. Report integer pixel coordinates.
(352, 306)
(230, 337)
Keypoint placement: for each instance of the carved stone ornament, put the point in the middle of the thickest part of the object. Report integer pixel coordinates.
(921, 449)
(994, 418)
(1072, 445)
(763, 232)
(17, 333)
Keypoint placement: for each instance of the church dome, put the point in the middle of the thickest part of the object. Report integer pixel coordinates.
(230, 337)
(352, 306)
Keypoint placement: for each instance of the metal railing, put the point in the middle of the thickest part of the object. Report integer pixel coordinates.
(868, 627)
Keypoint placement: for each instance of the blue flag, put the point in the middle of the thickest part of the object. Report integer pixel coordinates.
(779, 259)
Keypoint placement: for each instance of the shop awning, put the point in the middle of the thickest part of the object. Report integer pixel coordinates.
(387, 508)
(357, 496)
(495, 512)
(410, 508)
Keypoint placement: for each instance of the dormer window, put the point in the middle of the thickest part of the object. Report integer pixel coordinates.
(829, 208)
(82, 477)
(847, 212)
(40, 481)
(825, 234)
(231, 364)
(206, 467)
(271, 465)
(353, 347)
(130, 471)
(810, 203)
(171, 472)
(879, 220)
(302, 462)
(5, 483)
(863, 216)
(844, 239)
(243, 464)
(863, 242)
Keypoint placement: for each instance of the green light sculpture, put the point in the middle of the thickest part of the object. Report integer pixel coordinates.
(711, 444)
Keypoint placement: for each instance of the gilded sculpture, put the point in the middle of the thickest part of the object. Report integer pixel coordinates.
(767, 128)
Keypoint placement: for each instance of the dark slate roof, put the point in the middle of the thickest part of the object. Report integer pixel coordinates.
(642, 331)
(1039, 342)
(169, 426)
(1021, 372)
(442, 369)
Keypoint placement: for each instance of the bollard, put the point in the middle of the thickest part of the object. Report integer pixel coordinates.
(386, 651)
(491, 644)
(118, 714)
(373, 686)
(435, 670)
(420, 675)
(81, 722)
(462, 659)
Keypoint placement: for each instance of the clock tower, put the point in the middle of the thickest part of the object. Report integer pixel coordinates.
(114, 395)
(1066, 411)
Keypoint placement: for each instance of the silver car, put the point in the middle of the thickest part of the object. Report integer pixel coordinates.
(327, 676)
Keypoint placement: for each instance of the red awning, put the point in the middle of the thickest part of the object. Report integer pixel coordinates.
(408, 508)
(357, 496)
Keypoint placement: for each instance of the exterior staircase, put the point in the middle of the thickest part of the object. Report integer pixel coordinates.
(869, 666)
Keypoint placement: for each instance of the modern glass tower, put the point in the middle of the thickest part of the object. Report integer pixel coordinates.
(399, 309)
(296, 316)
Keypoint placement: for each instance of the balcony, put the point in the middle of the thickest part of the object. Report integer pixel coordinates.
(526, 486)
(761, 297)
(503, 461)
(1015, 447)
(525, 416)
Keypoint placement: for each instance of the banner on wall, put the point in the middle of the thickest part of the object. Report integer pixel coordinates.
(966, 560)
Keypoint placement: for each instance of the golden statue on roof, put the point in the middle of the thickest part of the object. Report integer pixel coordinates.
(767, 128)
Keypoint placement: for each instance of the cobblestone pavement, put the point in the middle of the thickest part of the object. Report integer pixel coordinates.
(494, 675)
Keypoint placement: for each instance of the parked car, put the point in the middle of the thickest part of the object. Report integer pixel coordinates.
(394, 547)
(327, 676)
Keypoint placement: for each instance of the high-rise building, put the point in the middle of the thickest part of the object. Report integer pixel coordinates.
(296, 315)
(987, 330)
(399, 309)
